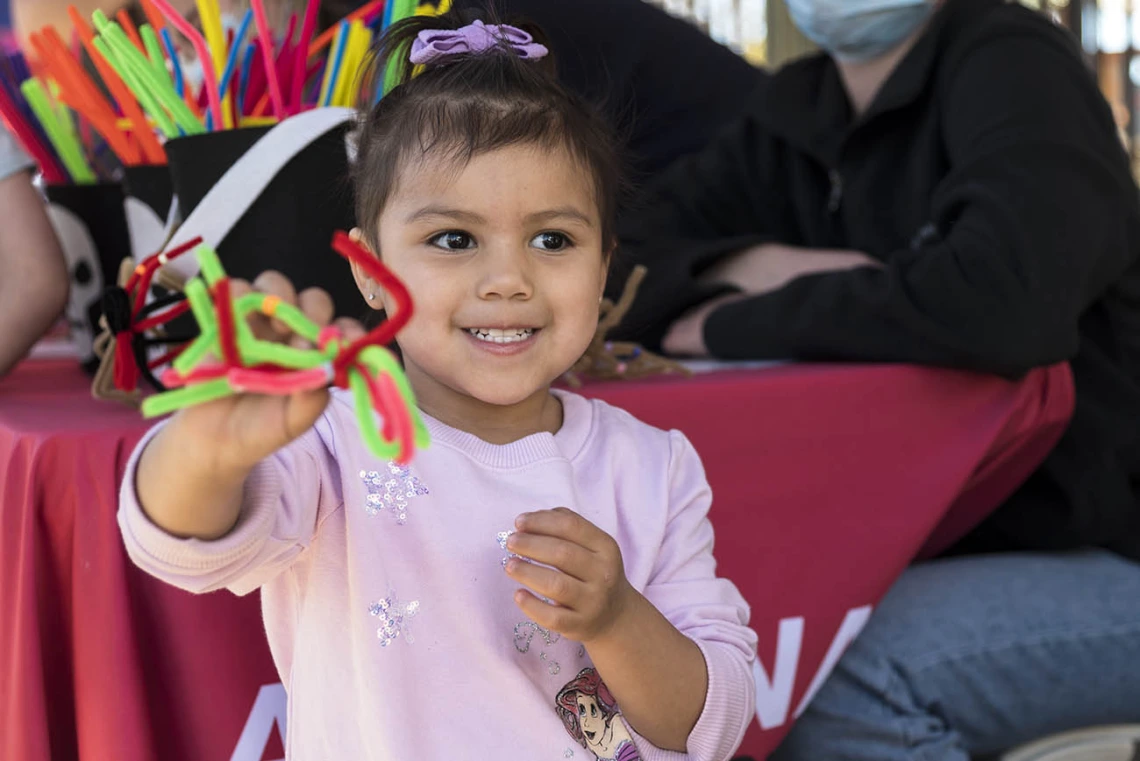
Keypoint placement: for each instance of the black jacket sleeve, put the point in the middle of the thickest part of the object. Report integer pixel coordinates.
(1037, 217)
(709, 204)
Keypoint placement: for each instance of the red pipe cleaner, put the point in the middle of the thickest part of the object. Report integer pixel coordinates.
(227, 329)
(382, 334)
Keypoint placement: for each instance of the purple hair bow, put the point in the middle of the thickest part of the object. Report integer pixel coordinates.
(435, 44)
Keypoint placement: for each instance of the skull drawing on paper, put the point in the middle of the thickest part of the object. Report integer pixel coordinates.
(84, 303)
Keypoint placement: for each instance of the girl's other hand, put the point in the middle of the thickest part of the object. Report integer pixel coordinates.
(581, 573)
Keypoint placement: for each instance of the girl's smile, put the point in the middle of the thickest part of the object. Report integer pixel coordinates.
(504, 342)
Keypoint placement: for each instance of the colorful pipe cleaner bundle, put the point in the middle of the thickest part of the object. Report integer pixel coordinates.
(61, 140)
(226, 358)
(70, 119)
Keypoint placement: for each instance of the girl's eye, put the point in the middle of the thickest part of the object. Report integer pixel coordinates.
(550, 241)
(453, 240)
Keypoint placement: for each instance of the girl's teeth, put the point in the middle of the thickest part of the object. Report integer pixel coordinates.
(498, 336)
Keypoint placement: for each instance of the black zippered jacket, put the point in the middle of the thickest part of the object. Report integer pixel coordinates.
(988, 178)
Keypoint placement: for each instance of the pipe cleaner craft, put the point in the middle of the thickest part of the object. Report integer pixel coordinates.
(130, 319)
(226, 358)
(132, 327)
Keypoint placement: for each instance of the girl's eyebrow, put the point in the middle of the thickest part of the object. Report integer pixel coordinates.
(443, 211)
(470, 217)
(562, 212)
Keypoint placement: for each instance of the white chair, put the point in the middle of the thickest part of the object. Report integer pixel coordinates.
(1118, 743)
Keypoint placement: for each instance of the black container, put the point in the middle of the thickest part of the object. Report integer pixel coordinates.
(147, 195)
(151, 185)
(290, 226)
(92, 231)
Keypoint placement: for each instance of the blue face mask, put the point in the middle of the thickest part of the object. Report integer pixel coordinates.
(858, 30)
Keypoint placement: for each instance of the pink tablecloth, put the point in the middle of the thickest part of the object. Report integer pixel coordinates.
(828, 480)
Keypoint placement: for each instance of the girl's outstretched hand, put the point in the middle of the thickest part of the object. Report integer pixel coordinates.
(239, 431)
(190, 476)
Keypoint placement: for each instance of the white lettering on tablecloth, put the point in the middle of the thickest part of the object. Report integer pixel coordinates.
(774, 695)
(268, 709)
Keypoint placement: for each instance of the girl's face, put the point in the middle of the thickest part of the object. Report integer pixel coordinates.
(505, 265)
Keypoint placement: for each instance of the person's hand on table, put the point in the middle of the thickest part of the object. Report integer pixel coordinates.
(33, 272)
(755, 271)
(769, 267)
(686, 336)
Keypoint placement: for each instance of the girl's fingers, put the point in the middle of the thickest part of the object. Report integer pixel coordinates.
(544, 614)
(317, 305)
(563, 523)
(239, 287)
(274, 283)
(258, 323)
(302, 411)
(549, 583)
(572, 559)
(352, 329)
(260, 425)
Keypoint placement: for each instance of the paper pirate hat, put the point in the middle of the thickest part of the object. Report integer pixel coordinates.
(89, 222)
(148, 195)
(283, 190)
(264, 198)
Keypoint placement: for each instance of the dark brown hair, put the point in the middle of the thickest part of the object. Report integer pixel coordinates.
(468, 105)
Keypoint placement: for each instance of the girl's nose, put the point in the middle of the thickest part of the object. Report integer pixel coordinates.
(505, 275)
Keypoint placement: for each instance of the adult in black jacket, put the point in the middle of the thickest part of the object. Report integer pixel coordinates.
(954, 196)
(665, 86)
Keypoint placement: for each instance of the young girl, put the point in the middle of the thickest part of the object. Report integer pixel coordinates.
(547, 554)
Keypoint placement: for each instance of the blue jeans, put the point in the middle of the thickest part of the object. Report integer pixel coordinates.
(971, 656)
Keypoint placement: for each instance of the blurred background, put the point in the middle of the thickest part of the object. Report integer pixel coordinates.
(1109, 31)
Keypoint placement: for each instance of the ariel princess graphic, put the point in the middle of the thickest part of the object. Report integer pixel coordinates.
(591, 716)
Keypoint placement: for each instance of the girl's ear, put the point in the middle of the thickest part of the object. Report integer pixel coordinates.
(607, 262)
(369, 288)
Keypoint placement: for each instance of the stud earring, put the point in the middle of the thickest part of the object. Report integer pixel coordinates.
(372, 297)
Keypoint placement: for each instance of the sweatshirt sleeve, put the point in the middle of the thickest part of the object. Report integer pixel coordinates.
(12, 158)
(723, 199)
(1035, 219)
(707, 609)
(285, 497)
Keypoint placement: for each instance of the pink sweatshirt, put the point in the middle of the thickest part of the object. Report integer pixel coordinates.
(389, 615)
